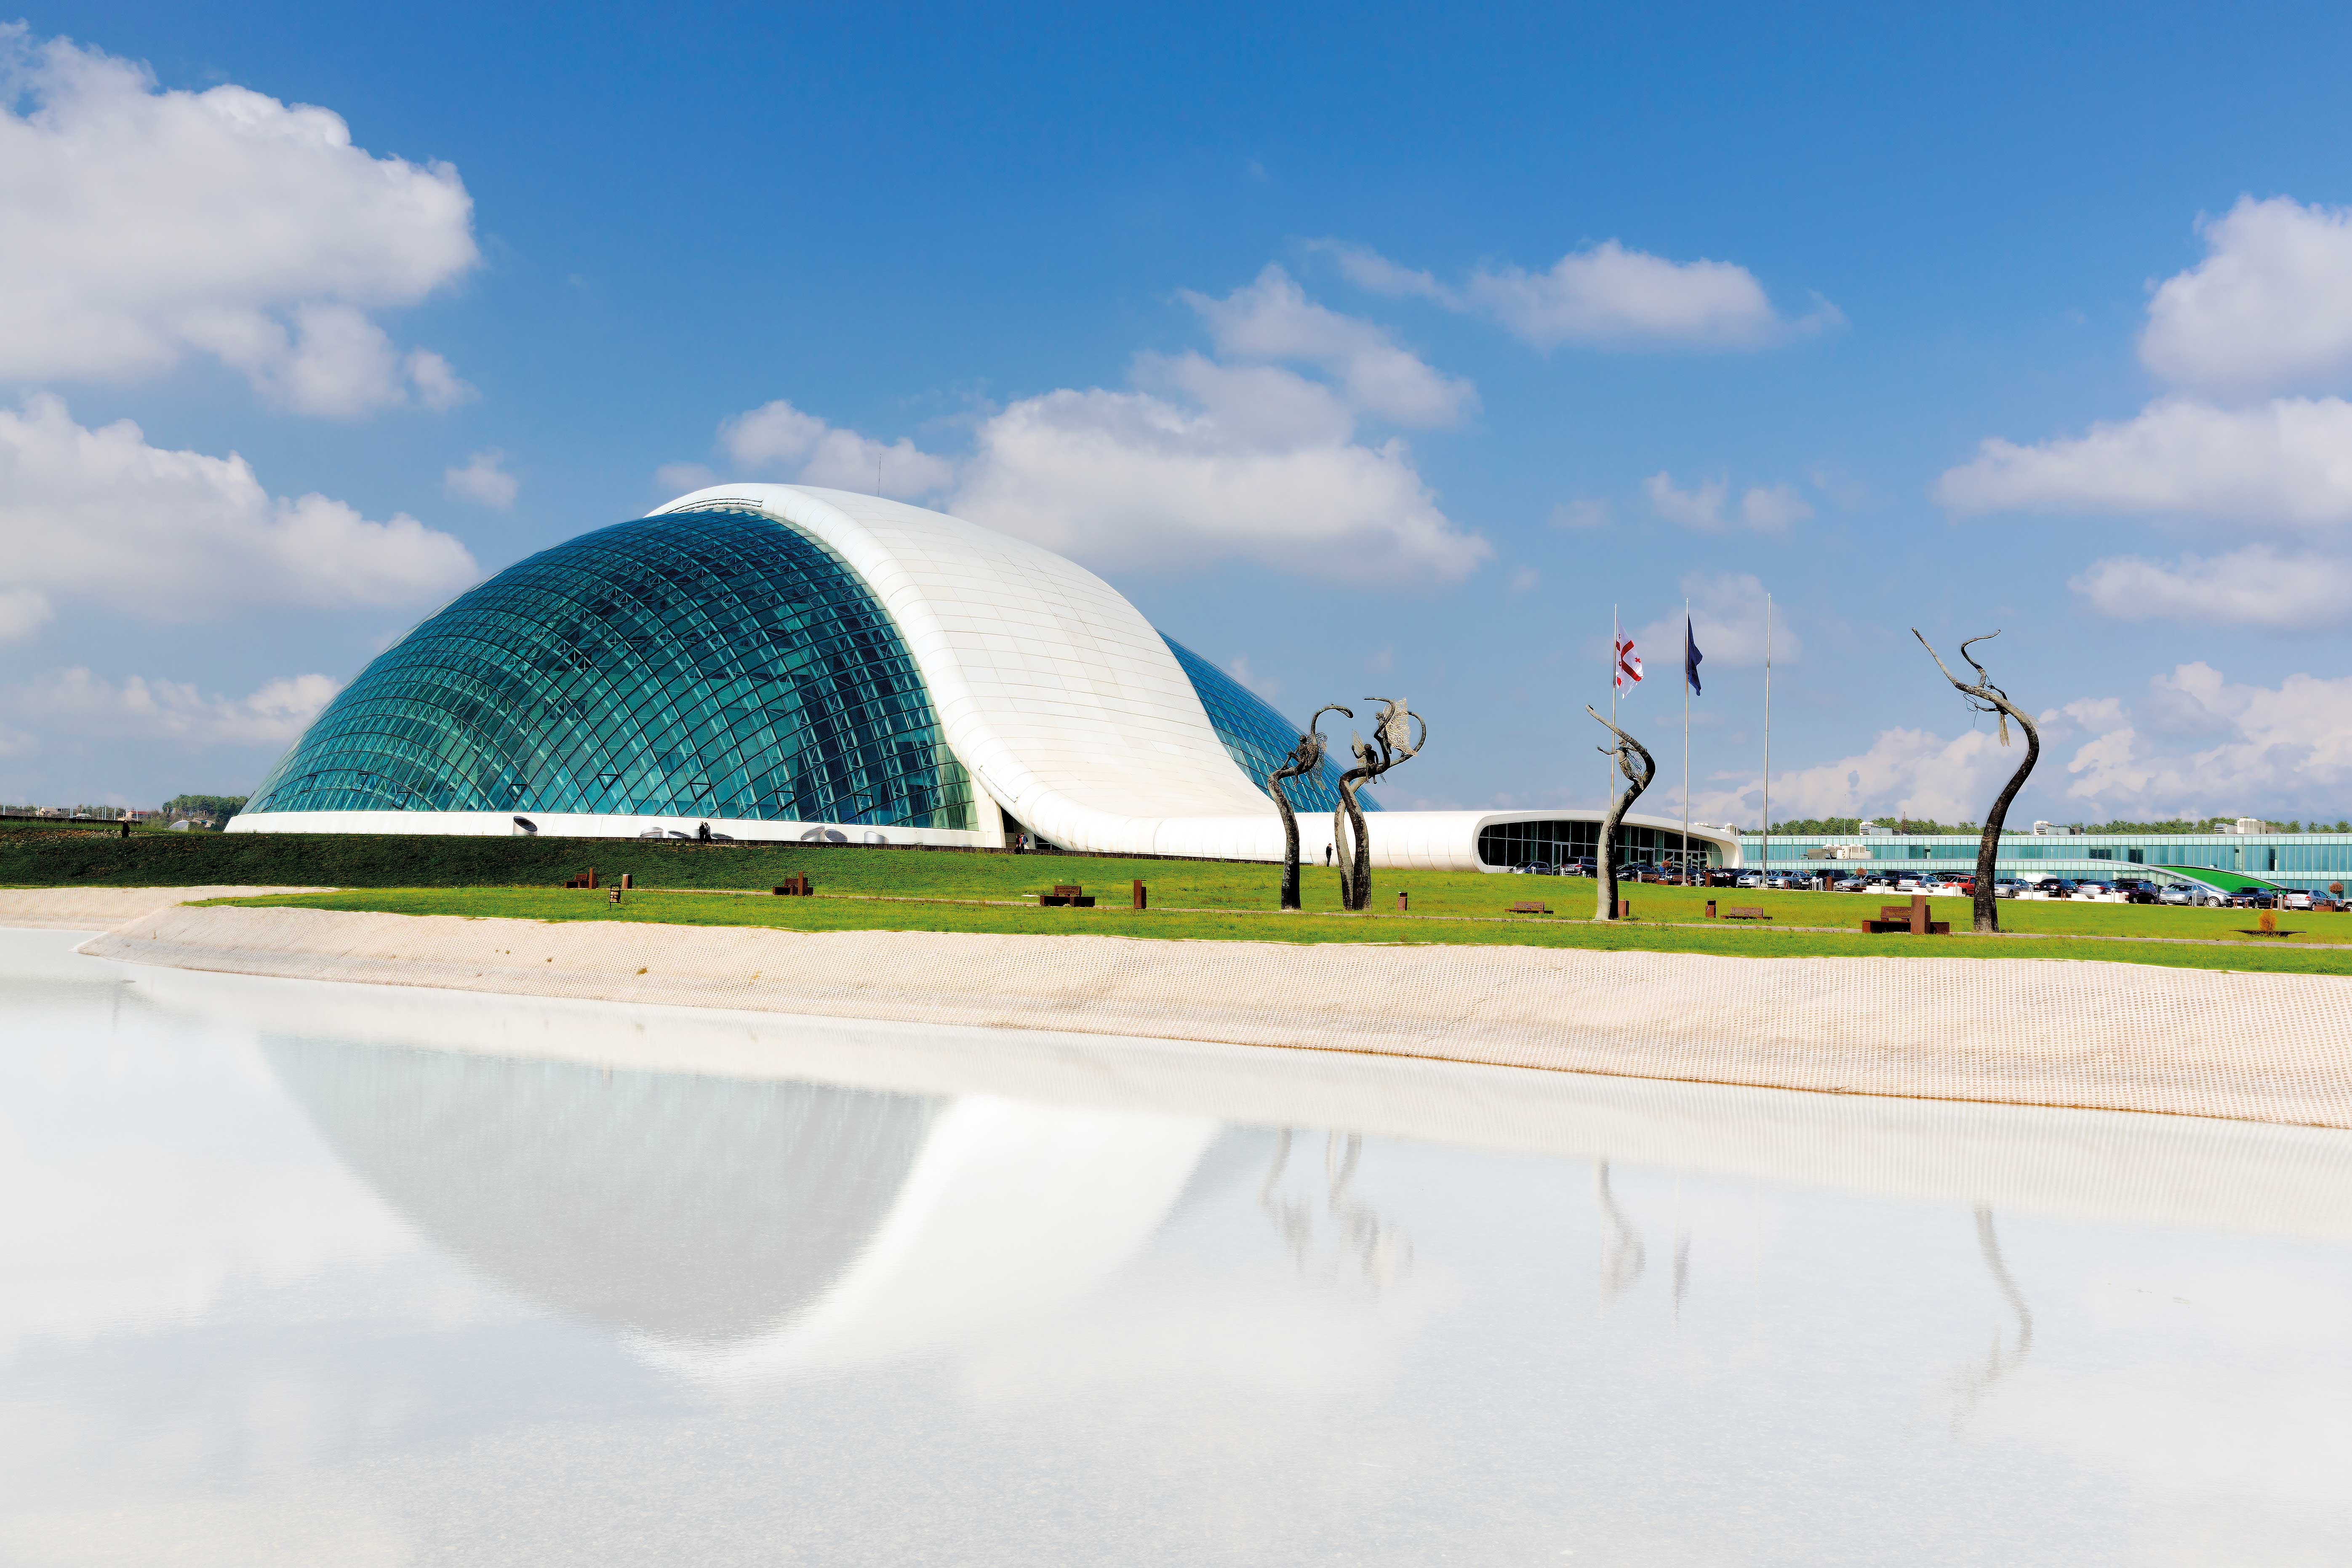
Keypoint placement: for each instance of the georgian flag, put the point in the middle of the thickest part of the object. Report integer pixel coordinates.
(1629, 665)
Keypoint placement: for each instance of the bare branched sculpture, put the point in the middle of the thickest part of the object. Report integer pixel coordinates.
(1392, 743)
(1634, 762)
(1986, 698)
(1304, 759)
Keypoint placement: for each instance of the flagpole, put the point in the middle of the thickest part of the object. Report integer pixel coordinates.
(1687, 648)
(1615, 654)
(1766, 865)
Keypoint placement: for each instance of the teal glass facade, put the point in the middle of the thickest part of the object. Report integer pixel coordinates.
(1258, 739)
(698, 664)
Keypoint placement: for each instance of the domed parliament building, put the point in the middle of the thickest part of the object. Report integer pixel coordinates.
(780, 663)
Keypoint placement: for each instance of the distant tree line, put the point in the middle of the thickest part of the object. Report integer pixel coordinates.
(219, 807)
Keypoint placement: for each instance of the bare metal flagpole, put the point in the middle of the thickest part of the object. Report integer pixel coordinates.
(1686, 674)
(1765, 864)
(1613, 657)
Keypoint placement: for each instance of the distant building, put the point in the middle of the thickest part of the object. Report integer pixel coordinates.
(2306, 860)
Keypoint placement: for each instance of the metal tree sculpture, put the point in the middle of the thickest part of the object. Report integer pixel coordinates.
(1986, 698)
(1391, 743)
(1628, 751)
(1305, 758)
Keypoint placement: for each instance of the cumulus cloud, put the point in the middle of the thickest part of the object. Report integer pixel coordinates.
(1604, 295)
(1255, 464)
(1727, 613)
(2268, 310)
(483, 480)
(2286, 462)
(77, 702)
(144, 225)
(2256, 587)
(778, 438)
(1586, 512)
(1242, 455)
(101, 516)
(1708, 507)
(2194, 744)
(1913, 773)
(2200, 745)
(1272, 320)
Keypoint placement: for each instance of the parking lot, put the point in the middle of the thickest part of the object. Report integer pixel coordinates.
(2144, 890)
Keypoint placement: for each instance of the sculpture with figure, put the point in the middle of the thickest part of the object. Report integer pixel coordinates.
(1629, 752)
(1392, 743)
(1304, 759)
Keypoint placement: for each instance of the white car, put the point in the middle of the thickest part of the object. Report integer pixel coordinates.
(2296, 899)
(2179, 893)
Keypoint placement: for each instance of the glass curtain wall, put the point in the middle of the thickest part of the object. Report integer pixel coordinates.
(1257, 738)
(700, 664)
(1554, 841)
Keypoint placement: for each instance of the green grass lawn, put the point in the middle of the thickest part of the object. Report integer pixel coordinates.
(845, 912)
(436, 874)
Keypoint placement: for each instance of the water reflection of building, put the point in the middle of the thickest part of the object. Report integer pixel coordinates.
(740, 1228)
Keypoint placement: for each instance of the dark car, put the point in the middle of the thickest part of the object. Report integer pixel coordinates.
(1582, 866)
(2059, 886)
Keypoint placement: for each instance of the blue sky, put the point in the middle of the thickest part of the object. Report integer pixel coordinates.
(1367, 350)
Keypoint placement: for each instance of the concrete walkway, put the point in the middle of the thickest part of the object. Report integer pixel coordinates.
(2265, 1048)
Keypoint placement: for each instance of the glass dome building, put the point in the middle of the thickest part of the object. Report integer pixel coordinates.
(777, 662)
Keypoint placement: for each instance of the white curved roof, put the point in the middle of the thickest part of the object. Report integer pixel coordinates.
(1063, 702)
(1050, 687)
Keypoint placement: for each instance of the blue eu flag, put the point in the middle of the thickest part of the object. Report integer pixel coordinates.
(1691, 656)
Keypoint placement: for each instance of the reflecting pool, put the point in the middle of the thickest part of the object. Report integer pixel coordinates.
(296, 1273)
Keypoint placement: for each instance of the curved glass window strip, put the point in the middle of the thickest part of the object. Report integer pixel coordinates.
(698, 664)
(1259, 738)
(1557, 842)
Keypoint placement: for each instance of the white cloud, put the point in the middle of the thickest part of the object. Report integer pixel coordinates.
(1726, 612)
(1272, 318)
(1253, 464)
(1603, 295)
(2287, 461)
(2256, 587)
(1524, 580)
(2268, 310)
(23, 612)
(1771, 509)
(101, 516)
(1584, 514)
(2203, 746)
(483, 482)
(79, 701)
(145, 223)
(1201, 459)
(1912, 773)
(778, 438)
(1708, 508)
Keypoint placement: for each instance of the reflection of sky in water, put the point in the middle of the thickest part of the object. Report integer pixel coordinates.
(279, 1283)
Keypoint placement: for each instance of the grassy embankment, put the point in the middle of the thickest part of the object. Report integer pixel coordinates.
(861, 889)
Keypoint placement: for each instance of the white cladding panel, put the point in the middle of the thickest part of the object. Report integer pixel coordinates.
(1064, 703)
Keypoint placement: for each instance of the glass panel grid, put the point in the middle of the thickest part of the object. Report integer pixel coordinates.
(1257, 738)
(700, 664)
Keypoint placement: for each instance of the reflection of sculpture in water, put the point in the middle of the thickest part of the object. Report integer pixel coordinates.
(1381, 1252)
(1622, 1260)
(1975, 1381)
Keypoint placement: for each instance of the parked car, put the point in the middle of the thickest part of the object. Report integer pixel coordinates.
(2092, 890)
(2294, 899)
(2179, 893)
(1723, 878)
(2059, 886)
(1534, 869)
(1751, 878)
(2007, 887)
(2142, 893)
(1849, 883)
